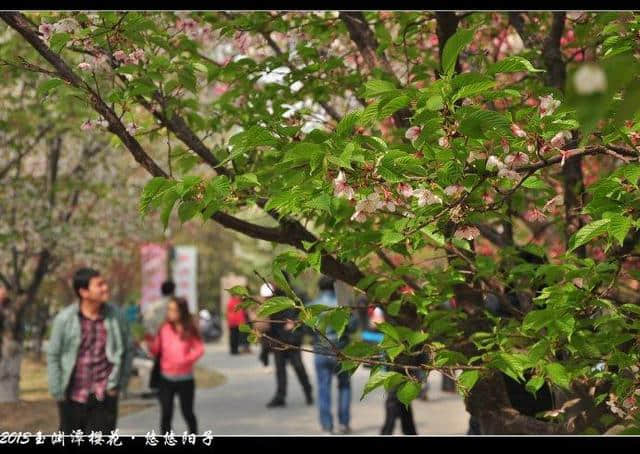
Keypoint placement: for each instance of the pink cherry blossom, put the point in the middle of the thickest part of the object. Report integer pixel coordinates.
(517, 130)
(359, 216)
(405, 190)
(487, 198)
(132, 128)
(443, 142)
(548, 105)
(476, 156)
(454, 190)
(46, 30)
(516, 159)
(84, 66)
(494, 163)
(467, 232)
(341, 188)
(531, 147)
(557, 200)
(534, 215)
(426, 197)
(505, 145)
(87, 125)
(413, 133)
(509, 174)
(560, 139)
(120, 56)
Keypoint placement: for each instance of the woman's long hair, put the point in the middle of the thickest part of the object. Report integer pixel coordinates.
(189, 328)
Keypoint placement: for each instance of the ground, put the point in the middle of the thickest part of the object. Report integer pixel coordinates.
(36, 411)
(237, 407)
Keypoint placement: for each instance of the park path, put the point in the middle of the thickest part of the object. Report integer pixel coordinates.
(238, 406)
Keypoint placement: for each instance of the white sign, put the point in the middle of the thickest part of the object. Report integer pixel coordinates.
(154, 271)
(185, 275)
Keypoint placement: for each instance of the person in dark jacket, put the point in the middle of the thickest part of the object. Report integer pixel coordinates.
(282, 330)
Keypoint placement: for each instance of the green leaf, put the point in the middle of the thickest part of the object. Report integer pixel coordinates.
(588, 232)
(392, 106)
(632, 173)
(434, 103)
(47, 86)
(188, 80)
(468, 379)
(449, 358)
(476, 122)
(168, 201)
(512, 365)
(244, 328)
(338, 320)
(188, 210)
(408, 392)
(389, 238)
(152, 191)
(511, 65)
(239, 290)
(389, 330)
(534, 182)
(629, 105)
(376, 87)
(534, 384)
(618, 226)
(453, 47)
(347, 123)
(274, 305)
(416, 337)
(58, 41)
(558, 375)
(394, 308)
(376, 380)
(473, 89)
(247, 180)
(360, 349)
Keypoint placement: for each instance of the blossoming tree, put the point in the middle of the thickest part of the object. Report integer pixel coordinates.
(419, 157)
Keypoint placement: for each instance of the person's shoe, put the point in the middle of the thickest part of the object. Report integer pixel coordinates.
(327, 431)
(276, 402)
(344, 430)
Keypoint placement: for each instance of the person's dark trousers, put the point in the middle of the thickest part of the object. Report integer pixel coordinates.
(281, 357)
(95, 415)
(234, 339)
(474, 427)
(448, 384)
(396, 409)
(185, 389)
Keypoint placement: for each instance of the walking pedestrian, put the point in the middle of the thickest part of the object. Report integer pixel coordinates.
(235, 318)
(281, 329)
(89, 357)
(155, 312)
(327, 364)
(179, 346)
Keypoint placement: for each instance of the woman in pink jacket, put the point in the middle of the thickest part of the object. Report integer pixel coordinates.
(179, 345)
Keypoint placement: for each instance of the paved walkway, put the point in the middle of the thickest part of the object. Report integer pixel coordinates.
(238, 406)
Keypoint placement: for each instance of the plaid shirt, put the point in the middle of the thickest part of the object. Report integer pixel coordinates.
(92, 366)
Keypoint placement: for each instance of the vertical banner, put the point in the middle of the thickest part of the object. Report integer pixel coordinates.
(185, 275)
(154, 271)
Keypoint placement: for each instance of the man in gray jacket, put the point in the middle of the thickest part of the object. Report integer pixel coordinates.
(89, 357)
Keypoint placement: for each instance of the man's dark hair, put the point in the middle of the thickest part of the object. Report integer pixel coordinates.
(82, 277)
(168, 287)
(326, 283)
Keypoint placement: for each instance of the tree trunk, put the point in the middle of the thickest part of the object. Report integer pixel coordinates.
(10, 363)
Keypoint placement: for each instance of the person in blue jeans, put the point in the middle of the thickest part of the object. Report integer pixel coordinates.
(327, 365)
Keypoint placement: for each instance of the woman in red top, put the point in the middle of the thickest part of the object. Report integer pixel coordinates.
(179, 345)
(235, 318)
